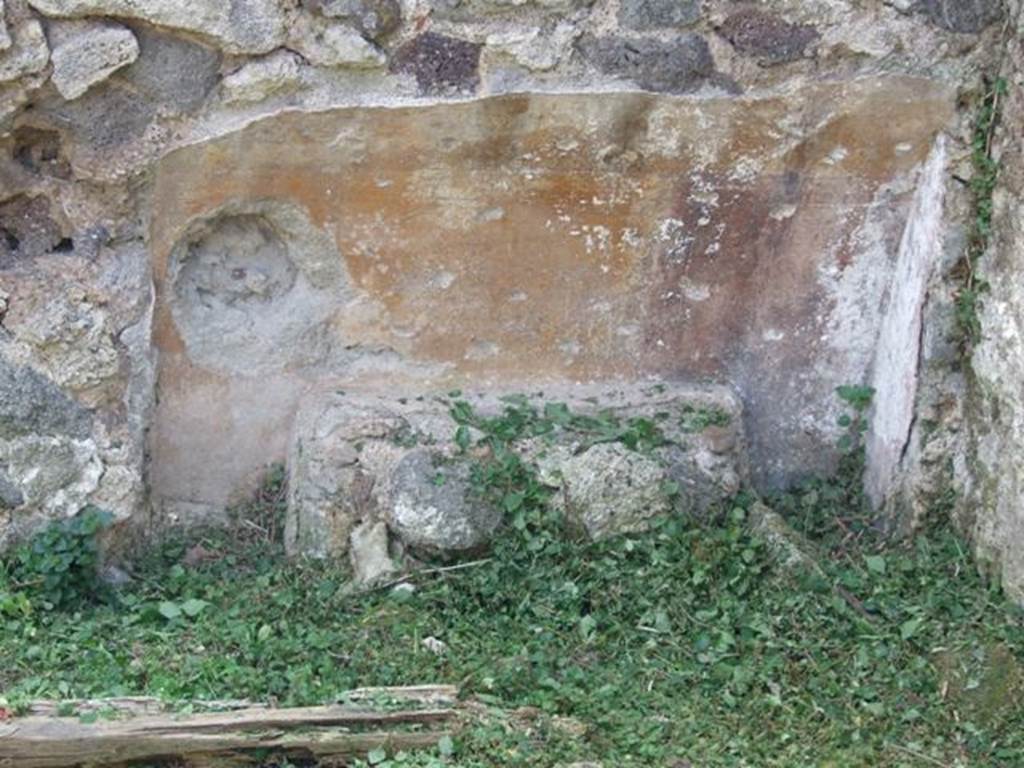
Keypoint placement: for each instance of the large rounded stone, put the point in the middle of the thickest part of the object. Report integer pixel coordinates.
(610, 489)
(433, 510)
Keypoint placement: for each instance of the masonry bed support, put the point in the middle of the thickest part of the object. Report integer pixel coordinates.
(396, 719)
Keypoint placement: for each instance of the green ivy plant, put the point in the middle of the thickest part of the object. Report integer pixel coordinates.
(59, 564)
(825, 507)
(982, 186)
(858, 398)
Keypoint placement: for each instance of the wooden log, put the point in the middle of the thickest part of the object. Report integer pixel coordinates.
(231, 737)
(130, 705)
(434, 695)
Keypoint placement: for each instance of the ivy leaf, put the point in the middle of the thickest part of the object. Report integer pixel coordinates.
(909, 628)
(169, 610)
(193, 607)
(512, 501)
(462, 438)
(462, 412)
(445, 746)
(875, 563)
(588, 625)
(376, 756)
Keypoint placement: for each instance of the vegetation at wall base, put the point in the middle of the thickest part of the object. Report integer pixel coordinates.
(690, 645)
(684, 646)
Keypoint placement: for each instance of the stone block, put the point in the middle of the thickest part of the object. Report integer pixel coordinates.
(237, 26)
(768, 38)
(473, 10)
(5, 34)
(262, 78)
(86, 53)
(27, 53)
(680, 65)
(31, 404)
(332, 44)
(534, 48)
(965, 16)
(172, 73)
(610, 489)
(439, 63)
(356, 458)
(646, 15)
(374, 18)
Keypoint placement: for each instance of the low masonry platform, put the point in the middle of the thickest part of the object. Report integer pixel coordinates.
(611, 456)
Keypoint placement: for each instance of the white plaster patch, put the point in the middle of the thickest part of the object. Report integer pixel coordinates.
(898, 350)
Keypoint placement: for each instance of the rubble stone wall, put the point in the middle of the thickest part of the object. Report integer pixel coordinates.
(992, 511)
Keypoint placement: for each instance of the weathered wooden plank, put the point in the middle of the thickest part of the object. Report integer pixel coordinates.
(236, 737)
(437, 695)
(131, 705)
(74, 748)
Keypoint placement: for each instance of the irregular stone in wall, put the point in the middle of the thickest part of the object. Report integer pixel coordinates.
(77, 339)
(966, 16)
(471, 10)
(646, 15)
(329, 491)
(28, 52)
(11, 496)
(105, 117)
(26, 230)
(237, 26)
(31, 404)
(71, 335)
(767, 37)
(329, 44)
(440, 64)
(86, 53)
(171, 76)
(5, 35)
(174, 74)
(535, 48)
(262, 78)
(362, 457)
(374, 18)
(681, 65)
(54, 474)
